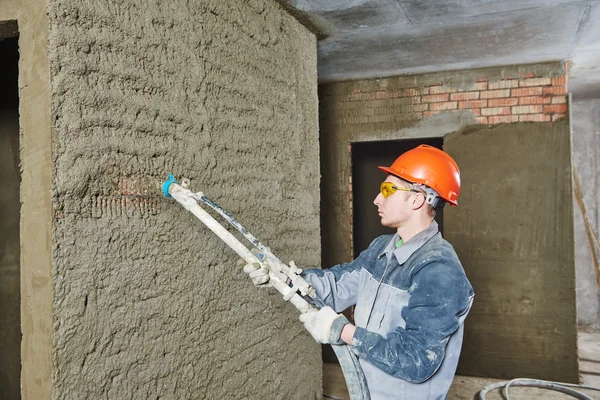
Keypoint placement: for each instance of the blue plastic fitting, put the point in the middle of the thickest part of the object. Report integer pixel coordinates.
(166, 184)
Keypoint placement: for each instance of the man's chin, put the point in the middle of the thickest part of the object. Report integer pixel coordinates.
(388, 224)
(385, 223)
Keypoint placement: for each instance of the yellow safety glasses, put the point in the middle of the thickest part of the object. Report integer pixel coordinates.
(389, 188)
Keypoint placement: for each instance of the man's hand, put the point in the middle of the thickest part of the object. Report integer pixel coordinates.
(324, 325)
(259, 273)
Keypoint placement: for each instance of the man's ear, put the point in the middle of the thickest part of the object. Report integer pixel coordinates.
(418, 201)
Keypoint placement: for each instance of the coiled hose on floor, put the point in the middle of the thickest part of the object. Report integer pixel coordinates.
(549, 385)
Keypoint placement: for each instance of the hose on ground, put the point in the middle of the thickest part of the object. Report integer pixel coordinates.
(549, 385)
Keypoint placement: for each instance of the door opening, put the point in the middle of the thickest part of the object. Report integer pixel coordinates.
(366, 178)
(10, 298)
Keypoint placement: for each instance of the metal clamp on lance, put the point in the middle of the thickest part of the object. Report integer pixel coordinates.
(298, 282)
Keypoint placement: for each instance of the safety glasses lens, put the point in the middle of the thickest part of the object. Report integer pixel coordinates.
(388, 189)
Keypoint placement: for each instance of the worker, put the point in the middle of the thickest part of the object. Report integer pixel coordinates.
(409, 288)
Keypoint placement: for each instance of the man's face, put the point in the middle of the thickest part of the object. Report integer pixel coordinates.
(395, 209)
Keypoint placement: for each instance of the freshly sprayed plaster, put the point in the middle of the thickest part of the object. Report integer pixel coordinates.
(513, 232)
(147, 302)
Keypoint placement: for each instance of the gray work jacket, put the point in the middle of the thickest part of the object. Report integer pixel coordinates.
(411, 303)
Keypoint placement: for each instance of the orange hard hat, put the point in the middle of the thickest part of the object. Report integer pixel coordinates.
(431, 167)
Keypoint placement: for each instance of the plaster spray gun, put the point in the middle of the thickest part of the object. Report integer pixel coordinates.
(280, 274)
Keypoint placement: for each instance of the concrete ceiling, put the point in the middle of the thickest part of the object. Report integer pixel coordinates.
(376, 38)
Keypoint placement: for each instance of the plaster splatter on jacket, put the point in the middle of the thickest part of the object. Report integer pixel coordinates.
(411, 303)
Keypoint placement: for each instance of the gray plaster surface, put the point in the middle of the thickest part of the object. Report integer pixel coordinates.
(147, 303)
(513, 232)
(586, 153)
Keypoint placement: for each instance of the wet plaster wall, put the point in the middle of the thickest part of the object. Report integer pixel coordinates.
(513, 232)
(28, 20)
(586, 156)
(147, 303)
(514, 109)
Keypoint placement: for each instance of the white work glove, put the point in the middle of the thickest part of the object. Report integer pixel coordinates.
(259, 273)
(325, 325)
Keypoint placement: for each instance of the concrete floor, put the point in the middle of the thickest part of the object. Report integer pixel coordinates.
(466, 387)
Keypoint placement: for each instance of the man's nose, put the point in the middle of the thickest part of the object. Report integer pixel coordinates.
(378, 200)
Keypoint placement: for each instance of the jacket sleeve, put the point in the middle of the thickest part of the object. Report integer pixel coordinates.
(337, 286)
(440, 296)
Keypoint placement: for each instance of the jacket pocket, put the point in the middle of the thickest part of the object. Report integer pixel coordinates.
(392, 317)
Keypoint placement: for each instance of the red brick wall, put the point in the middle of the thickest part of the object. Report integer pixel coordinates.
(523, 99)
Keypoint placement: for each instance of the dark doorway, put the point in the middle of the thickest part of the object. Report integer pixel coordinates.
(366, 178)
(10, 178)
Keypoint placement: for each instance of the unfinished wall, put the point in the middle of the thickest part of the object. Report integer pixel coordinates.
(485, 109)
(586, 156)
(147, 303)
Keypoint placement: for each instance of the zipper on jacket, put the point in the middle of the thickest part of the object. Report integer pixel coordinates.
(387, 264)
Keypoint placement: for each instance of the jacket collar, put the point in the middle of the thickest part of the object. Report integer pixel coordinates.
(408, 248)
